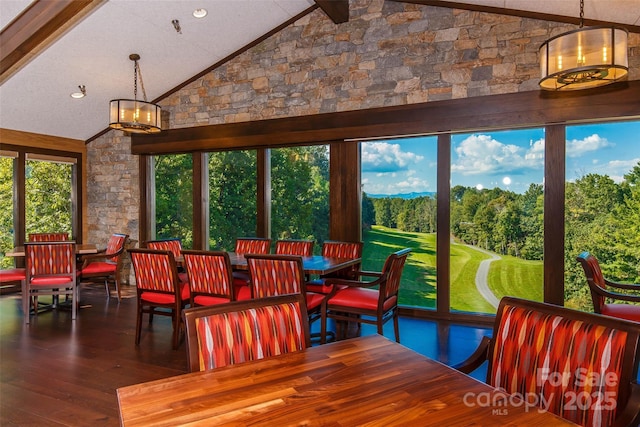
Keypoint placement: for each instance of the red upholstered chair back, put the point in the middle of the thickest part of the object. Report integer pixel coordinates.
(173, 245)
(116, 244)
(155, 270)
(253, 245)
(50, 259)
(556, 358)
(241, 331)
(350, 250)
(209, 273)
(295, 247)
(48, 237)
(273, 275)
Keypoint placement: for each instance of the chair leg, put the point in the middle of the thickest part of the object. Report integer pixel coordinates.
(176, 329)
(117, 282)
(74, 302)
(138, 323)
(396, 327)
(106, 287)
(26, 302)
(323, 325)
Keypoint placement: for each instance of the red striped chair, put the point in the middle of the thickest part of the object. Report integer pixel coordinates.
(51, 270)
(48, 237)
(105, 265)
(273, 275)
(248, 245)
(601, 288)
(295, 247)
(158, 286)
(373, 302)
(241, 331)
(336, 249)
(580, 366)
(210, 278)
(174, 245)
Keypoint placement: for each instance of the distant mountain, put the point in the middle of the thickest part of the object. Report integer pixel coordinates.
(412, 195)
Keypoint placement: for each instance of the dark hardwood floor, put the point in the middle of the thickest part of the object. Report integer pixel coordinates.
(58, 372)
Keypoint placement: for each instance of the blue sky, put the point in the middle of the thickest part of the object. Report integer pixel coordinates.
(507, 159)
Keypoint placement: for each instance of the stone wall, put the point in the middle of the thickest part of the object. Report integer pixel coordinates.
(389, 53)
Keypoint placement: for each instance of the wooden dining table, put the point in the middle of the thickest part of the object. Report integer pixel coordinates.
(315, 264)
(362, 381)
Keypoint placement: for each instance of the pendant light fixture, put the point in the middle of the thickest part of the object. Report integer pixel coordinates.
(584, 58)
(133, 115)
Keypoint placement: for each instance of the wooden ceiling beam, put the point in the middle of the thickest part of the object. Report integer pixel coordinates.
(36, 28)
(522, 13)
(336, 10)
(522, 109)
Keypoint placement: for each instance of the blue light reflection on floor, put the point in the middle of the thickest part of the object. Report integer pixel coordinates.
(442, 341)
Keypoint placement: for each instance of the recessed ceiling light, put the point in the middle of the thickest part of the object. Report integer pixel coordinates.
(200, 13)
(81, 94)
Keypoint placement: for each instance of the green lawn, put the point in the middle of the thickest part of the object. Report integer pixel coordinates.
(508, 276)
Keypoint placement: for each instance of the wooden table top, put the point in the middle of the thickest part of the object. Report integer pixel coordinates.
(81, 249)
(315, 264)
(369, 380)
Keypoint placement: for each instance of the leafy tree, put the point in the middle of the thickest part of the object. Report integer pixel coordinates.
(368, 212)
(232, 197)
(6, 213)
(300, 193)
(48, 197)
(174, 197)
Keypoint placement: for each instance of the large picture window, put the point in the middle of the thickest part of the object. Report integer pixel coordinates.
(174, 198)
(300, 193)
(602, 205)
(232, 197)
(399, 210)
(496, 218)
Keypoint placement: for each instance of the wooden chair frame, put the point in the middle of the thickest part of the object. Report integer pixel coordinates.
(191, 314)
(599, 285)
(196, 292)
(30, 292)
(315, 313)
(629, 390)
(148, 307)
(378, 317)
(103, 256)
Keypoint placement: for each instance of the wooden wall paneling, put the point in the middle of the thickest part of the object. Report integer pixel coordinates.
(263, 193)
(554, 198)
(443, 241)
(19, 205)
(345, 192)
(200, 201)
(147, 210)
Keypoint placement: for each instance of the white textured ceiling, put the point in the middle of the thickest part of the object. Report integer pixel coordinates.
(95, 52)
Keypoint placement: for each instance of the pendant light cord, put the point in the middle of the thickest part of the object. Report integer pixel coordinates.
(136, 72)
(581, 13)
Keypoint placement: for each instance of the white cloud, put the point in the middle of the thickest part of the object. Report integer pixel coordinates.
(409, 184)
(616, 169)
(383, 157)
(481, 154)
(579, 147)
